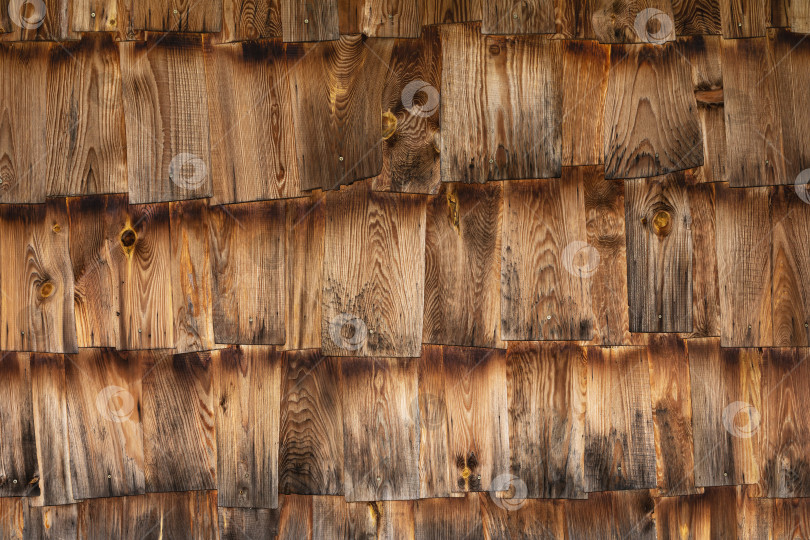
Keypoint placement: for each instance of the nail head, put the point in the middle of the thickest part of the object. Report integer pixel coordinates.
(306, 21)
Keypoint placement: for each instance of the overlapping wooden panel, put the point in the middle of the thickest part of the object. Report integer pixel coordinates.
(166, 109)
(381, 434)
(252, 141)
(336, 91)
(104, 422)
(632, 21)
(696, 17)
(178, 423)
(512, 128)
(410, 103)
(451, 517)
(23, 97)
(612, 516)
(85, 132)
(316, 20)
(651, 122)
(585, 75)
(311, 431)
(545, 290)
(46, 20)
(248, 398)
(53, 522)
(773, 518)
(619, 432)
(518, 17)
(381, 18)
(247, 523)
(254, 19)
(19, 464)
(248, 256)
(191, 277)
(36, 305)
(547, 387)
(478, 416)
(744, 266)
(712, 514)
(96, 15)
(743, 18)
(435, 462)
(659, 254)
(374, 267)
(705, 288)
(726, 413)
(178, 15)
(462, 266)
(752, 118)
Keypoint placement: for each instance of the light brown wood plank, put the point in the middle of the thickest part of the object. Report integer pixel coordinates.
(333, 517)
(381, 18)
(247, 523)
(613, 515)
(451, 11)
(742, 18)
(309, 21)
(535, 519)
(101, 518)
(19, 460)
(249, 20)
(573, 19)
(798, 14)
(712, 514)
(705, 288)
(53, 522)
(48, 20)
(632, 21)
(452, 517)
(518, 17)
(295, 517)
(95, 15)
(178, 15)
(435, 462)
(696, 17)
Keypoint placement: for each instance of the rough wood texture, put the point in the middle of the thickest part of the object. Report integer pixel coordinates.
(19, 463)
(512, 129)
(712, 514)
(316, 20)
(650, 113)
(612, 516)
(252, 142)
(311, 431)
(545, 289)
(512, 17)
(726, 413)
(53, 523)
(632, 21)
(381, 18)
(694, 17)
(249, 381)
(47, 20)
(166, 109)
(295, 517)
(547, 387)
(462, 266)
(248, 257)
(742, 18)
(619, 432)
(451, 11)
(705, 288)
(659, 254)
(247, 523)
(336, 91)
(434, 454)
(381, 435)
(178, 15)
(95, 15)
(454, 517)
(249, 20)
(373, 299)
(798, 14)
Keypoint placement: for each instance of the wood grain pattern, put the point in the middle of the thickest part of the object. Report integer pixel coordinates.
(451, 11)
(380, 433)
(511, 129)
(573, 19)
(477, 415)
(178, 15)
(252, 143)
(462, 266)
(726, 413)
(336, 91)
(248, 257)
(453, 517)
(316, 20)
(333, 517)
(53, 522)
(705, 288)
(696, 17)
(659, 254)
(744, 266)
(249, 20)
(798, 15)
(742, 18)
(612, 516)
(48, 20)
(545, 287)
(166, 110)
(192, 282)
(775, 518)
(619, 432)
(36, 306)
(104, 423)
(178, 422)
(650, 113)
(535, 519)
(248, 396)
(295, 517)
(546, 388)
(95, 15)
(712, 514)
(518, 17)
(19, 463)
(311, 431)
(632, 21)
(247, 523)
(381, 18)
(434, 453)
(373, 283)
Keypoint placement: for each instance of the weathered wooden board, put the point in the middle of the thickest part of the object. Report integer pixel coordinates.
(310, 458)
(451, 517)
(744, 266)
(179, 439)
(743, 18)
(752, 118)
(705, 288)
(712, 514)
(96, 15)
(316, 20)
(434, 452)
(545, 289)
(192, 281)
(451, 11)
(381, 18)
(512, 128)
(547, 395)
(166, 110)
(295, 517)
(477, 415)
(659, 254)
(651, 121)
(23, 97)
(394, 519)
(333, 517)
(53, 522)
(336, 91)
(248, 261)
(14, 515)
(773, 518)
(247, 523)
(534, 519)
(85, 132)
(305, 245)
(513, 17)
(48, 391)
(374, 267)
(726, 413)
(19, 463)
(798, 15)
(462, 266)
(46, 20)
(573, 19)
(619, 432)
(612, 516)
(178, 15)
(585, 74)
(632, 21)
(248, 396)
(252, 142)
(104, 422)
(696, 17)
(36, 305)
(410, 104)
(381, 435)
(250, 20)
(101, 518)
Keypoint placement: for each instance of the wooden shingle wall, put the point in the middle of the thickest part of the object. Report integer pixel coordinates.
(406, 269)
